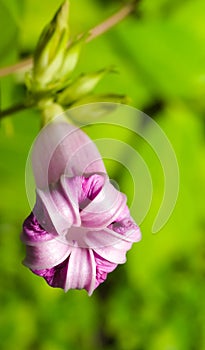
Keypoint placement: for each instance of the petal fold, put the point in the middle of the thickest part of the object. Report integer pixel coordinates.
(103, 267)
(33, 233)
(108, 238)
(57, 208)
(46, 255)
(55, 276)
(81, 271)
(116, 253)
(105, 207)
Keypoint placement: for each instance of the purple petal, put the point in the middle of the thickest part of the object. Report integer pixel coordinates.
(55, 276)
(61, 148)
(33, 233)
(91, 186)
(103, 267)
(46, 254)
(105, 208)
(81, 271)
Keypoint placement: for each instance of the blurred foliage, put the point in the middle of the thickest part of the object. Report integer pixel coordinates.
(156, 300)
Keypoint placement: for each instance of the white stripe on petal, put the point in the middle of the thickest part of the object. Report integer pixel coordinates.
(81, 271)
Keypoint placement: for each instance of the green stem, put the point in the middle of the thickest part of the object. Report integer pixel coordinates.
(14, 109)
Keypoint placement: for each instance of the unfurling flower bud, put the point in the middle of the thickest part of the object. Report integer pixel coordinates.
(80, 228)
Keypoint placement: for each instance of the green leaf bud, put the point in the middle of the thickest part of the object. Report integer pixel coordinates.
(50, 50)
(70, 59)
(81, 87)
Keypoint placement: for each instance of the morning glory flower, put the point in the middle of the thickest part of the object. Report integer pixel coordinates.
(80, 228)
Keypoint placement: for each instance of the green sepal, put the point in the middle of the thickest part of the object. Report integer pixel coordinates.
(70, 59)
(82, 86)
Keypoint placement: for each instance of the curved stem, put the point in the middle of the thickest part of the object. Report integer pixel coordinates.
(93, 33)
(13, 109)
(111, 21)
(24, 64)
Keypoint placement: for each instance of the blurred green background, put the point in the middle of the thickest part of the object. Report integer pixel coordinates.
(156, 300)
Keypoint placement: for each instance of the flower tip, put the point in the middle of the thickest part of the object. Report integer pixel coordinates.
(62, 14)
(90, 293)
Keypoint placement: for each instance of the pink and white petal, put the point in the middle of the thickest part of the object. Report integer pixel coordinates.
(84, 157)
(46, 255)
(105, 207)
(50, 213)
(72, 188)
(103, 267)
(81, 271)
(61, 148)
(108, 238)
(116, 253)
(127, 229)
(57, 207)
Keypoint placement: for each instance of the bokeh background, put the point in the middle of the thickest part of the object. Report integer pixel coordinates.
(156, 300)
